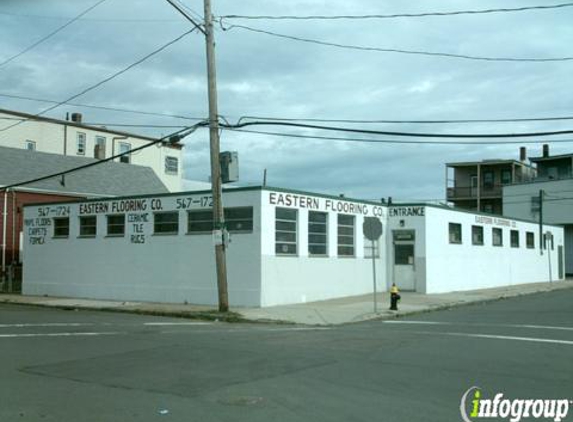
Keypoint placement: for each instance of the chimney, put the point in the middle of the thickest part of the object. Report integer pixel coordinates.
(522, 154)
(545, 150)
(77, 117)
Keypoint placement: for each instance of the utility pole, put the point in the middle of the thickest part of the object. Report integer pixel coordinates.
(541, 192)
(218, 214)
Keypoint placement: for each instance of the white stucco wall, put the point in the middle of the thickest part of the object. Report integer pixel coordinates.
(56, 138)
(457, 267)
(165, 268)
(302, 278)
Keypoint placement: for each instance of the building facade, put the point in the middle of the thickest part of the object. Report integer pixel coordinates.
(19, 165)
(285, 247)
(74, 138)
(548, 198)
(478, 185)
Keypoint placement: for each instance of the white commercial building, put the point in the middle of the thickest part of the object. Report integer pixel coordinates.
(75, 138)
(286, 247)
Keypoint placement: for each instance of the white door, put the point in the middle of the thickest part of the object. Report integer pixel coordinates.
(404, 268)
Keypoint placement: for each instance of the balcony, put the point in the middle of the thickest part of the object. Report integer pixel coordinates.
(468, 192)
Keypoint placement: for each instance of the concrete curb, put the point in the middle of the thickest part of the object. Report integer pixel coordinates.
(238, 317)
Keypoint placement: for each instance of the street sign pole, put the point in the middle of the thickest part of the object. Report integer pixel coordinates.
(372, 230)
(374, 275)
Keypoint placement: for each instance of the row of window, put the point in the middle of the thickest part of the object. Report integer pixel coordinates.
(171, 163)
(286, 234)
(237, 220)
(455, 236)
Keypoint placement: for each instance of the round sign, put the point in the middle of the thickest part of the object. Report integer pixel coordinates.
(372, 228)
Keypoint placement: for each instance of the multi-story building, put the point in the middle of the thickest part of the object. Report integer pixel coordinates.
(478, 185)
(548, 198)
(74, 138)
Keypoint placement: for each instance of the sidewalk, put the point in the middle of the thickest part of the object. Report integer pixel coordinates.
(328, 312)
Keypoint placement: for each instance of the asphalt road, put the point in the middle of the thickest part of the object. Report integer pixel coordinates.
(94, 366)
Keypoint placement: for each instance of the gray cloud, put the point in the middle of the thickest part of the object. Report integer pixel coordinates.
(265, 76)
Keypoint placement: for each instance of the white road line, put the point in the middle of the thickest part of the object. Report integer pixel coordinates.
(497, 337)
(52, 324)
(163, 324)
(110, 333)
(394, 321)
(538, 340)
(477, 324)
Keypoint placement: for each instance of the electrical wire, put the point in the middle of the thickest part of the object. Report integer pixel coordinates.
(122, 110)
(396, 50)
(404, 134)
(179, 8)
(51, 34)
(399, 15)
(450, 121)
(351, 121)
(179, 134)
(100, 83)
(394, 141)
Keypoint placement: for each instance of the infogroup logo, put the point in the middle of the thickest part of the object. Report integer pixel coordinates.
(513, 409)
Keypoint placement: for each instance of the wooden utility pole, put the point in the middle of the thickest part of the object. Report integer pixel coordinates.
(541, 239)
(218, 214)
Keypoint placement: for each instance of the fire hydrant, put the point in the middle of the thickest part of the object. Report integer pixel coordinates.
(394, 297)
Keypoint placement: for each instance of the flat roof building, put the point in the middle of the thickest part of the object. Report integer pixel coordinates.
(285, 247)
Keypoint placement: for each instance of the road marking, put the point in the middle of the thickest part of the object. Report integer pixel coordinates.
(498, 337)
(393, 321)
(51, 324)
(477, 324)
(162, 324)
(110, 333)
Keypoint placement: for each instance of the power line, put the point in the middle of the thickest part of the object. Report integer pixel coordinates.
(394, 141)
(109, 78)
(122, 110)
(396, 50)
(357, 121)
(450, 121)
(51, 34)
(399, 15)
(394, 133)
(186, 15)
(178, 134)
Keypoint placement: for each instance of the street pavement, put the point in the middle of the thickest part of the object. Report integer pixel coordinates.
(81, 365)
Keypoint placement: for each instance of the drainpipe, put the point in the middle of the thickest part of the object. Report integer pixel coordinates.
(4, 228)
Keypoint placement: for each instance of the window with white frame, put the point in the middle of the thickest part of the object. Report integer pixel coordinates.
(99, 151)
(345, 235)
(88, 226)
(497, 236)
(477, 235)
(30, 145)
(455, 233)
(171, 165)
(369, 249)
(514, 238)
(166, 222)
(116, 225)
(286, 236)
(237, 220)
(530, 240)
(317, 233)
(61, 227)
(124, 147)
(81, 143)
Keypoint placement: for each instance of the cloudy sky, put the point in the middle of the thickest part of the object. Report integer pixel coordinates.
(264, 76)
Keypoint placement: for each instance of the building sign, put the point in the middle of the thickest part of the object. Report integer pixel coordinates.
(407, 212)
(37, 229)
(292, 200)
(495, 221)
